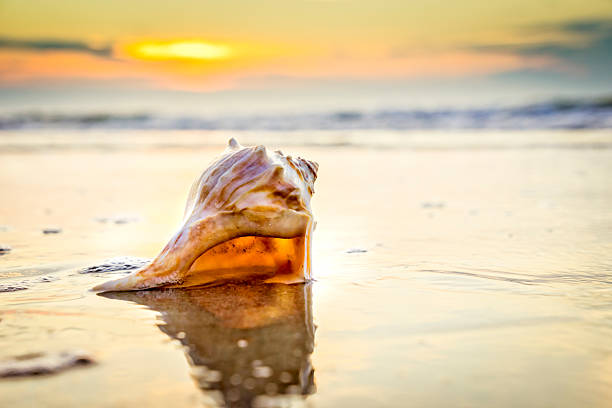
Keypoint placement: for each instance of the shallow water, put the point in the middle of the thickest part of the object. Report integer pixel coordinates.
(453, 270)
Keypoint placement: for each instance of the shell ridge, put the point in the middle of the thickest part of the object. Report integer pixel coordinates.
(239, 191)
(226, 180)
(252, 169)
(210, 187)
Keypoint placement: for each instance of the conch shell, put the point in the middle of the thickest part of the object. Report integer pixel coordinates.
(248, 217)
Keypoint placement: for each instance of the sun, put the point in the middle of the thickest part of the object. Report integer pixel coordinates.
(179, 50)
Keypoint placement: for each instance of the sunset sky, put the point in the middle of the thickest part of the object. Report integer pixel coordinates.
(548, 46)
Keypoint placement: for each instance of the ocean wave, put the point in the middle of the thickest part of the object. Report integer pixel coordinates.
(552, 115)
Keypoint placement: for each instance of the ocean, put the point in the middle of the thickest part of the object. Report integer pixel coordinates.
(460, 258)
(595, 114)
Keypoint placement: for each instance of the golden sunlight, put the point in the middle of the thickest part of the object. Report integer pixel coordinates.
(178, 50)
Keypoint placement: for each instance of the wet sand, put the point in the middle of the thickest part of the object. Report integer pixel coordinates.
(464, 269)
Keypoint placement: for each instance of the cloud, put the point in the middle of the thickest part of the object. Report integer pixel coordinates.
(592, 53)
(55, 45)
(592, 27)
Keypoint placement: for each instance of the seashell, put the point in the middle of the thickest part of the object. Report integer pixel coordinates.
(248, 217)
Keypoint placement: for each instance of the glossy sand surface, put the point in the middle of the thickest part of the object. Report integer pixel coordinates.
(460, 270)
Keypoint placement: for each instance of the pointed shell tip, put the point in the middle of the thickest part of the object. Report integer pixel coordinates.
(233, 143)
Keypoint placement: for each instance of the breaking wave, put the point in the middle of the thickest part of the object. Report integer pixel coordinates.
(552, 115)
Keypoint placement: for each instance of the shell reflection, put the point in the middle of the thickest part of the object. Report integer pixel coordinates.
(244, 341)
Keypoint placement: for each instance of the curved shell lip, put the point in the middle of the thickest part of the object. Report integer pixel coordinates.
(303, 223)
(99, 290)
(123, 284)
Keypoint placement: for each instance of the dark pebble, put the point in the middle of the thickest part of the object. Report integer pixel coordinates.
(43, 363)
(11, 288)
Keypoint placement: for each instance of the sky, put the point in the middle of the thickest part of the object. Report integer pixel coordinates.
(385, 51)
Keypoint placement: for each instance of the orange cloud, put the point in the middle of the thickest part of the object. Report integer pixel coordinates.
(194, 64)
(23, 66)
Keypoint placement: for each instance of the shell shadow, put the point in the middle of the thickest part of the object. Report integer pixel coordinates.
(242, 341)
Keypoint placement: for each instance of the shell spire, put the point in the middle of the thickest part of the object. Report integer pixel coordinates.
(233, 144)
(247, 217)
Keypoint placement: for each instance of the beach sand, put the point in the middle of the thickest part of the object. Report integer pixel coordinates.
(464, 269)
